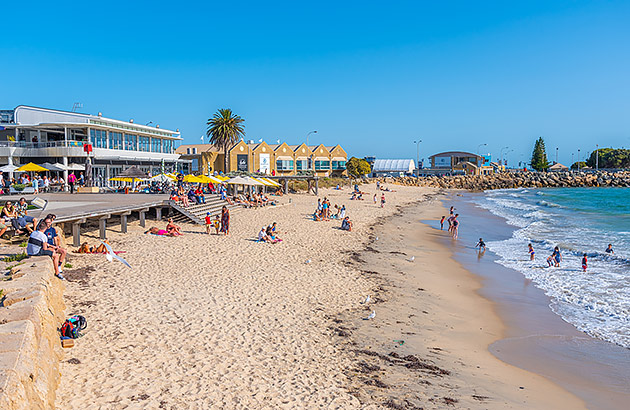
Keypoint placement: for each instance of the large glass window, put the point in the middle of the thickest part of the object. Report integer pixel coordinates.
(144, 144)
(322, 165)
(336, 165)
(195, 165)
(115, 140)
(301, 164)
(98, 138)
(167, 146)
(284, 165)
(156, 145)
(131, 142)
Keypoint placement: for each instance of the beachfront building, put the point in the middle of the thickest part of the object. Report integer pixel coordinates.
(392, 167)
(558, 167)
(271, 159)
(457, 163)
(40, 135)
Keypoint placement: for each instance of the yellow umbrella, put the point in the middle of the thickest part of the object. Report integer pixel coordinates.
(262, 181)
(204, 179)
(222, 178)
(271, 181)
(192, 178)
(121, 179)
(30, 167)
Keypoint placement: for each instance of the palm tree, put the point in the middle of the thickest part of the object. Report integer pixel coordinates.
(224, 130)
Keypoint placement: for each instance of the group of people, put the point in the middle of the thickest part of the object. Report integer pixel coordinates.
(17, 217)
(44, 241)
(453, 223)
(269, 234)
(556, 256)
(324, 211)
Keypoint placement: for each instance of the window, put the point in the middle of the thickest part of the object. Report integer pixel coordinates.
(195, 165)
(144, 144)
(115, 140)
(337, 165)
(99, 138)
(322, 165)
(187, 151)
(301, 165)
(131, 142)
(284, 165)
(156, 145)
(167, 146)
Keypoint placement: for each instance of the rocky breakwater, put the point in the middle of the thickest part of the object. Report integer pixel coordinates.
(31, 310)
(517, 180)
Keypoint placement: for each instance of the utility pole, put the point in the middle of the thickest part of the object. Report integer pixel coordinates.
(417, 157)
(597, 157)
(578, 161)
(556, 155)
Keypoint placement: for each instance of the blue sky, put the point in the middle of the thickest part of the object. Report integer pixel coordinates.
(454, 74)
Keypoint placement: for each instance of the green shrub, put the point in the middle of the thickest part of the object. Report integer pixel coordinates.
(15, 258)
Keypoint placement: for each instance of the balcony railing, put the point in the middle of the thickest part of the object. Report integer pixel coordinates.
(48, 144)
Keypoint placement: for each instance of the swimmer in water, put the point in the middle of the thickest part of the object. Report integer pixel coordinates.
(531, 252)
(610, 249)
(584, 263)
(442, 223)
(481, 244)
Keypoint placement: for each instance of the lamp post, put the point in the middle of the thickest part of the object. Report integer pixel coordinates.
(556, 155)
(578, 161)
(479, 148)
(312, 132)
(571, 160)
(502, 154)
(417, 157)
(597, 157)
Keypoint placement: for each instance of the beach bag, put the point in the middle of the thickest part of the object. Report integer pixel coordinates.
(72, 326)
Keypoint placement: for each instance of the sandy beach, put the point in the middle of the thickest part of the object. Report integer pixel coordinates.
(225, 322)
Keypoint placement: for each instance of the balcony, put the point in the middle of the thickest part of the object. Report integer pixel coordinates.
(74, 148)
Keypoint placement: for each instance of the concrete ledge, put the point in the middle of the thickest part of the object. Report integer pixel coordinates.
(31, 311)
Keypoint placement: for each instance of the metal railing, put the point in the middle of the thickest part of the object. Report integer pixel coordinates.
(48, 144)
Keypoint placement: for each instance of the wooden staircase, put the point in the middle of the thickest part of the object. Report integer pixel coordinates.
(197, 213)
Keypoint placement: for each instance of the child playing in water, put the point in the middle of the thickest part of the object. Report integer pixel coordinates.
(584, 263)
(442, 223)
(481, 244)
(531, 252)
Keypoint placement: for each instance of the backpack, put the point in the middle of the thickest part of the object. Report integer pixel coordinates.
(72, 326)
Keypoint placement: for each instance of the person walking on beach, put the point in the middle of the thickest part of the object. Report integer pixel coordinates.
(374, 199)
(225, 220)
(72, 179)
(208, 222)
(455, 227)
(382, 200)
(531, 252)
(481, 244)
(584, 263)
(609, 250)
(442, 223)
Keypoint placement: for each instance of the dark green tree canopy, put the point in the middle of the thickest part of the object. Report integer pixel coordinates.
(224, 129)
(539, 156)
(358, 167)
(610, 158)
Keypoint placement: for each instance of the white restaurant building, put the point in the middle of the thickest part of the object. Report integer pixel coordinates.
(39, 135)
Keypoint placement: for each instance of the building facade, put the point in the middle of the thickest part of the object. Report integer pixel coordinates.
(457, 162)
(270, 159)
(32, 134)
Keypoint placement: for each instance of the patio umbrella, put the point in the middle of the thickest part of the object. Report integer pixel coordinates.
(271, 181)
(60, 166)
(238, 181)
(8, 168)
(122, 179)
(262, 181)
(192, 178)
(252, 181)
(52, 167)
(161, 178)
(133, 172)
(76, 167)
(30, 167)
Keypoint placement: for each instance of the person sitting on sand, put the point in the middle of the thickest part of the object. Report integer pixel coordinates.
(263, 237)
(173, 229)
(346, 224)
(272, 235)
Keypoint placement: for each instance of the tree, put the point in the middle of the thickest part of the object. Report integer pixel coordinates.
(358, 167)
(539, 156)
(224, 130)
(578, 165)
(609, 158)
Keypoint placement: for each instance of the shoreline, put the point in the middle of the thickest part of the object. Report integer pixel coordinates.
(434, 304)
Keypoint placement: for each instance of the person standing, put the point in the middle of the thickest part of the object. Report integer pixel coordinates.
(530, 249)
(225, 220)
(442, 223)
(208, 219)
(72, 179)
(584, 263)
(455, 227)
(382, 200)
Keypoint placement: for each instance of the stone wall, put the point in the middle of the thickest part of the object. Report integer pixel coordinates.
(518, 180)
(31, 311)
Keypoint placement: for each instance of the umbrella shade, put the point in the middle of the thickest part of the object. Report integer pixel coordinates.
(271, 181)
(30, 167)
(222, 178)
(133, 172)
(161, 178)
(122, 179)
(8, 168)
(51, 167)
(60, 166)
(262, 181)
(215, 180)
(76, 167)
(243, 181)
(253, 181)
(192, 178)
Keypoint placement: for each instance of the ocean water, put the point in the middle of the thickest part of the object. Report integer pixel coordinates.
(578, 221)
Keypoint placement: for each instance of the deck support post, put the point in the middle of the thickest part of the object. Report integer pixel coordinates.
(102, 227)
(76, 233)
(158, 213)
(286, 185)
(316, 186)
(143, 213)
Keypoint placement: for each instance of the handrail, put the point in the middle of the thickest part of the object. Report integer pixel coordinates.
(101, 212)
(48, 144)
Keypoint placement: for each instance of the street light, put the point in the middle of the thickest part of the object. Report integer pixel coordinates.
(479, 148)
(312, 132)
(556, 155)
(578, 161)
(417, 157)
(502, 154)
(597, 157)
